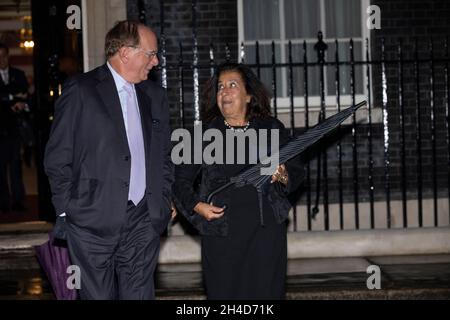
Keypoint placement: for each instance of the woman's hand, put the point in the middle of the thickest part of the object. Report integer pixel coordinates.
(281, 175)
(208, 211)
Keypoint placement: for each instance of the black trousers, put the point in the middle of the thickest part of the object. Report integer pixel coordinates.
(11, 163)
(121, 267)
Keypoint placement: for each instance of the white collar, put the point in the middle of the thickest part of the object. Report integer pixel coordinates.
(118, 79)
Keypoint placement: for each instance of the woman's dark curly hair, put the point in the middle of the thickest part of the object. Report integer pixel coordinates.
(259, 106)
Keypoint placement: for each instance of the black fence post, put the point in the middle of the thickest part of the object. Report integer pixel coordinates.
(339, 146)
(181, 85)
(163, 47)
(291, 100)
(274, 81)
(321, 47)
(308, 167)
(242, 53)
(385, 133)
(447, 119)
(354, 140)
(433, 133)
(402, 126)
(211, 60)
(369, 137)
(418, 135)
(291, 90)
(142, 12)
(195, 63)
(258, 67)
(227, 53)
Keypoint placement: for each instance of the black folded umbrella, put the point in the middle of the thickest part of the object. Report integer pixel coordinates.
(294, 147)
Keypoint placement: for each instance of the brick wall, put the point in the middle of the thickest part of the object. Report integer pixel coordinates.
(216, 22)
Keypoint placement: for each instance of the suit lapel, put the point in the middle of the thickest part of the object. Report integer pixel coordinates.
(107, 90)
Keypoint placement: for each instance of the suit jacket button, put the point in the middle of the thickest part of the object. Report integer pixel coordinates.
(126, 184)
(126, 158)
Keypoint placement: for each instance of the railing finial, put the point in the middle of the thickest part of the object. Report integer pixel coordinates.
(320, 47)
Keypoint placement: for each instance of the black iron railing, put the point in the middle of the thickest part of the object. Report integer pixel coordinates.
(390, 155)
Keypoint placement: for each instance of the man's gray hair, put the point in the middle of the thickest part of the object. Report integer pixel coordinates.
(124, 33)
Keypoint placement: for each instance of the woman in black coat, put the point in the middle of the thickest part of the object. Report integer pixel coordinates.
(244, 247)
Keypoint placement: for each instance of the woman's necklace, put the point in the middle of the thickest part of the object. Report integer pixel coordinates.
(239, 129)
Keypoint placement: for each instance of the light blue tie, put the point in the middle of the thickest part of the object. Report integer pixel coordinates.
(136, 145)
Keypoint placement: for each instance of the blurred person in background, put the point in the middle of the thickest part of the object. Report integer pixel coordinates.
(13, 107)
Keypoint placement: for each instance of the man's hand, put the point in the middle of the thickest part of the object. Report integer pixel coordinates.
(174, 211)
(19, 106)
(208, 211)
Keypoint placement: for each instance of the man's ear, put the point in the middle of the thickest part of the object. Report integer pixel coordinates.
(124, 54)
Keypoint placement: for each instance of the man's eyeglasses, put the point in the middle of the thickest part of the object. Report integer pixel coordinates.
(150, 54)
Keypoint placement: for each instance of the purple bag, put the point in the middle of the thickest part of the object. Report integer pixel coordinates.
(53, 257)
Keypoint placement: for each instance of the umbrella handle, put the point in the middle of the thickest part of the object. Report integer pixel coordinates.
(212, 194)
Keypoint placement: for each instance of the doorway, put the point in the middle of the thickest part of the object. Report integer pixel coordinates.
(16, 37)
(48, 51)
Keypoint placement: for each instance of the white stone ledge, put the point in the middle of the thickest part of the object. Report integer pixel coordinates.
(23, 241)
(315, 244)
(332, 244)
(366, 243)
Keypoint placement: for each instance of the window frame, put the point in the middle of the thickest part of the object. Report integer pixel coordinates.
(283, 103)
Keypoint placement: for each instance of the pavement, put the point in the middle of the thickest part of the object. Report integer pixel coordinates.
(402, 276)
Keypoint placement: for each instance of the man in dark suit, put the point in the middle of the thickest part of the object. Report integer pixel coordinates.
(109, 167)
(13, 94)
